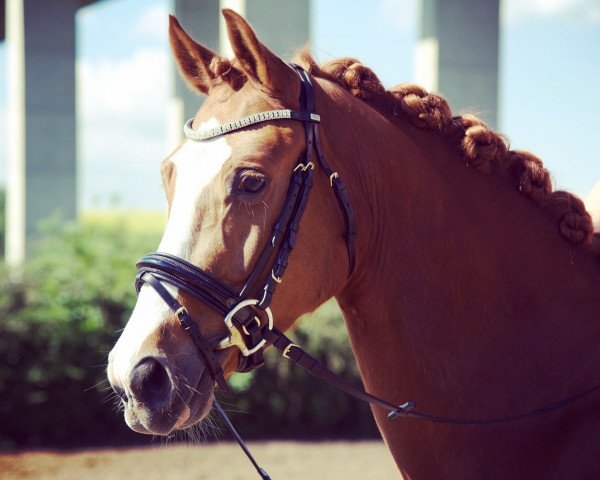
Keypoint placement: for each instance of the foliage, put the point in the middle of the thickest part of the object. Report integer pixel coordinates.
(150, 223)
(58, 323)
(2, 219)
(57, 327)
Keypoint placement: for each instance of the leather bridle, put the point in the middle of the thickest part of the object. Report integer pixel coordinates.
(239, 309)
(243, 314)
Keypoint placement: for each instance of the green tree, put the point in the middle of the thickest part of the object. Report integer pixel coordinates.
(2, 220)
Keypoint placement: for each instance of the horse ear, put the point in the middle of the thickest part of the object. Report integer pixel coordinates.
(256, 60)
(193, 59)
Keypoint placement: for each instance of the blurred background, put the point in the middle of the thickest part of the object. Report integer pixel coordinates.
(90, 104)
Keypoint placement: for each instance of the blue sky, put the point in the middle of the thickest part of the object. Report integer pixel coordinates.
(549, 74)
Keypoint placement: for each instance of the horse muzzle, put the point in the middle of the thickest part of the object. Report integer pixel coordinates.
(157, 401)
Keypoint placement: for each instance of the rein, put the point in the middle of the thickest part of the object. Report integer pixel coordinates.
(243, 314)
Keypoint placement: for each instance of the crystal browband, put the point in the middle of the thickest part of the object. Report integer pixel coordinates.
(246, 121)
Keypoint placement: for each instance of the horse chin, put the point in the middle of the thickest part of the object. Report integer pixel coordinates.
(181, 414)
(199, 405)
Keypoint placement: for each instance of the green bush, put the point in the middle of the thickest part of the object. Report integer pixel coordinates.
(59, 322)
(2, 220)
(58, 325)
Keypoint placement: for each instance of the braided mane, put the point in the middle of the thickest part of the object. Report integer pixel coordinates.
(481, 148)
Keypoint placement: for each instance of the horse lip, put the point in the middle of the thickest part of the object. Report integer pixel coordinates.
(181, 412)
(183, 418)
(188, 402)
(140, 420)
(200, 402)
(143, 420)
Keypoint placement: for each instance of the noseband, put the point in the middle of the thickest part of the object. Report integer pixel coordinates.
(246, 330)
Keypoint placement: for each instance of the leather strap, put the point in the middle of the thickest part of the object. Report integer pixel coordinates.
(343, 201)
(300, 357)
(288, 243)
(307, 101)
(279, 230)
(238, 438)
(314, 367)
(206, 348)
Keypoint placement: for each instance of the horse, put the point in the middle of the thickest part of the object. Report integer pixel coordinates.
(475, 285)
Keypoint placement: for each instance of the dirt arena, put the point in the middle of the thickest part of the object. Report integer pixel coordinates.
(282, 460)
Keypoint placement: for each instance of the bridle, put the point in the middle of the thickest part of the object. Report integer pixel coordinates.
(239, 309)
(241, 312)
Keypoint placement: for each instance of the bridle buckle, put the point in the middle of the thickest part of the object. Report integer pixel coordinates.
(235, 336)
(286, 350)
(181, 312)
(245, 330)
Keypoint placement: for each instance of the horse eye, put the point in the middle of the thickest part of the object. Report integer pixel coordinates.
(252, 183)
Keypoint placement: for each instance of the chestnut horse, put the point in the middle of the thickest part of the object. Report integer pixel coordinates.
(476, 290)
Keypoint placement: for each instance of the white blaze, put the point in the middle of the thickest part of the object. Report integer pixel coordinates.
(196, 165)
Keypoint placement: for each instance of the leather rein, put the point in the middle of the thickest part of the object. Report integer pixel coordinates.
(249, 330)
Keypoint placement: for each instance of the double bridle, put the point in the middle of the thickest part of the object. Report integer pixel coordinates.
(243, 314)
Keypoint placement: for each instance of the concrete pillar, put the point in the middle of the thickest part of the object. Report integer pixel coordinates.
(42, 169)
(457, 54)
(283, 25)
(2, 19)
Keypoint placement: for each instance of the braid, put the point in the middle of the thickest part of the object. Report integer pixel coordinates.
(359, 80)
(425, 110)
(575, 222)
(482, 148)
(532, 178)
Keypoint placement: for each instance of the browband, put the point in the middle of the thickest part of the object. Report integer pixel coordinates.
(205, 134)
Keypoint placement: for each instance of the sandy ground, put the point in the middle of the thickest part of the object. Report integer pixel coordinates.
(282, 460)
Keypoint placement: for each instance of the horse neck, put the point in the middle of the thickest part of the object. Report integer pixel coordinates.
(458, 278)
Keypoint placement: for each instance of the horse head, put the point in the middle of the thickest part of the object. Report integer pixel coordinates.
(225, 194)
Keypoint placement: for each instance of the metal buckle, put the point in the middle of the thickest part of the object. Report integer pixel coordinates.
(331, 177)
(235, 338)
(180, 312)
(277, 279)
(245, 330)
(402, 410)
(286, 350)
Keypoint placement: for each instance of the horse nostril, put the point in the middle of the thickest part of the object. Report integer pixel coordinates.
(150, 383)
